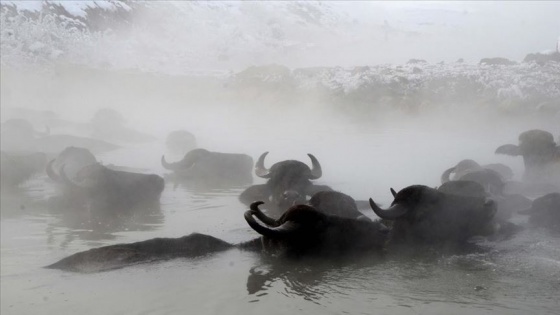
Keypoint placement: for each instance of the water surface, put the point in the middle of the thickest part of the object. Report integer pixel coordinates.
(516, 276)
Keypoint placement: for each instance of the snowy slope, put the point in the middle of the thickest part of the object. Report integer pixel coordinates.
(170, 36)
(518, 87)
(309, 38)
(165, 36)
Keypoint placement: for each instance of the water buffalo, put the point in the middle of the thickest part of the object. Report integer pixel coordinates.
(18, 167)
(73, 159)
(467, 166)
(289, 182)
(103, 194)
(545, 212)
(493, 183)
(213, 167)
(180, 142)
(541, 155)
(423, 215)
(106, 188)
(506, 204)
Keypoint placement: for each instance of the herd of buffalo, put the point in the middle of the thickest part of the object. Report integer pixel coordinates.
(293, 215)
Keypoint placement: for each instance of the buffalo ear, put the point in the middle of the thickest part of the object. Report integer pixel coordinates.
(508, 149)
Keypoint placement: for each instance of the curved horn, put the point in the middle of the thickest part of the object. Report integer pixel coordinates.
(50, 172)
(394, 212)
(282, 231)
(316, 171)
(170, 166)
(393, 192)
(260, 170)
(445, 176)
(261, 216)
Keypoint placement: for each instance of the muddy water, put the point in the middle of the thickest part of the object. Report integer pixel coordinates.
(517, 276)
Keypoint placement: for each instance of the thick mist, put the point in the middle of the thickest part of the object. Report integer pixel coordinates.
(362, 155)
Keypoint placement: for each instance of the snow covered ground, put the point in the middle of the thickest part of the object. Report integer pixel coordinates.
(171, 36)
(343, 50)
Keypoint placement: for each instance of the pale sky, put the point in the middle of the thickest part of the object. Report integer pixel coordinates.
(459, 29)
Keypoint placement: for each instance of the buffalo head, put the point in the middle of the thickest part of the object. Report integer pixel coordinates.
(426, 215)
(539, 152)
(73, 159)
(289, 181)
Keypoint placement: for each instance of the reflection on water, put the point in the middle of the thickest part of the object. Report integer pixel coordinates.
(516, 276)
(304, 277)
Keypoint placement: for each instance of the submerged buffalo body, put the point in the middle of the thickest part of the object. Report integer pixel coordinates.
(123, 255)
(423, 215)
(545, 212)
(288, 183)
(108, 188)
(203, 165)
(105, 191)
(541, 155)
